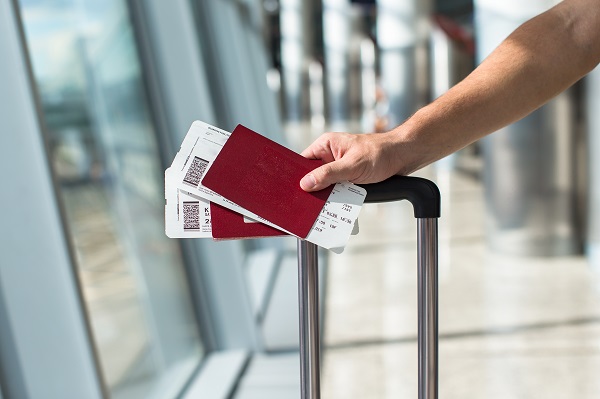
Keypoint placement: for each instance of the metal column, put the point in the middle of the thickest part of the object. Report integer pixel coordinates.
(308, 293)
(592, 215)
(398, 38)
(308, 301)
(336, 42)
(427, 266)
(425, 197)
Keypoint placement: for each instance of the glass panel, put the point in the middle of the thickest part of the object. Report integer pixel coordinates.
(104, 153)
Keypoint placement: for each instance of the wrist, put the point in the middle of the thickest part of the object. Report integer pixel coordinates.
(412, 145)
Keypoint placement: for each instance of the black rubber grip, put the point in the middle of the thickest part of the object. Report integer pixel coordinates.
(422, 193)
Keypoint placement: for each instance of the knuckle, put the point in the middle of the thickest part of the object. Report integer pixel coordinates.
(325, 170)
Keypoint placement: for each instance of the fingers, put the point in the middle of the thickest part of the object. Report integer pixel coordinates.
(309, 152)
(318, 150)
(326, 175)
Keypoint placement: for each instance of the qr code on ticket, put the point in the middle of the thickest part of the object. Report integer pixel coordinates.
(191, 215)
(194, 174)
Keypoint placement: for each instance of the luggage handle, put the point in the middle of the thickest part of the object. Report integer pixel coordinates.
(423, 194)
(425, 198)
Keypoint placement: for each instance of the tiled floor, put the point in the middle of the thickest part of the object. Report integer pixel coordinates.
(509, 327)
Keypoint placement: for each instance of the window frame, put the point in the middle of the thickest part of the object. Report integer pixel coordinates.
(65, 338)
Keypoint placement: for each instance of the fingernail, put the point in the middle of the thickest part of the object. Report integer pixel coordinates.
(308, 182)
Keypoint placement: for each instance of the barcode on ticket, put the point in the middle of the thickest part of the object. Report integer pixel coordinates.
(194, 174)
(191, 215)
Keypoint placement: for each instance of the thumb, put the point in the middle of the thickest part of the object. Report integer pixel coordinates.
(324, 176)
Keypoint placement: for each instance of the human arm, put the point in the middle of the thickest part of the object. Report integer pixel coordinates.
(536, 62)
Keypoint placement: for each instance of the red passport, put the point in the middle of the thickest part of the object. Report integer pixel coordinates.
(227, 224)
(264, 177)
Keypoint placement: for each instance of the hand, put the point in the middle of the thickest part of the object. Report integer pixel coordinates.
(359, 158)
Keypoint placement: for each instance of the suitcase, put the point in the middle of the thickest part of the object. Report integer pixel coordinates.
(425, 198)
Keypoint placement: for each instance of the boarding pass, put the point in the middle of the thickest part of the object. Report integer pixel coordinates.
(200, 148)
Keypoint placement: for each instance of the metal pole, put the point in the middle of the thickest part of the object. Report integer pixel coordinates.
(592, 216)
(397, 38)
(308, 301)
(336, 43)
(427, 237)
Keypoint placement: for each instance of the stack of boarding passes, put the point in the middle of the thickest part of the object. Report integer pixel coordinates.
(239, 185)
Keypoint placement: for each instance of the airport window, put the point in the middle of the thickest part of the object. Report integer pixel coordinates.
(105, 158)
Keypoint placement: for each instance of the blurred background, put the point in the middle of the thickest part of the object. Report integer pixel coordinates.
(96, 302)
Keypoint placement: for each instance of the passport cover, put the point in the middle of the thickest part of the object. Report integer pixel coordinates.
(264, 177)
(227, 225)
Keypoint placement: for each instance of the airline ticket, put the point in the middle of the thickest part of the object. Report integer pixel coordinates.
(200, 148)
(186, 215)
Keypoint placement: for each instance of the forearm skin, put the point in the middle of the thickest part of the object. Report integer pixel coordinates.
(539, 60)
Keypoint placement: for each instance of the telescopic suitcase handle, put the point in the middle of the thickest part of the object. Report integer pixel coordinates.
(425, 198)
(423, 194)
